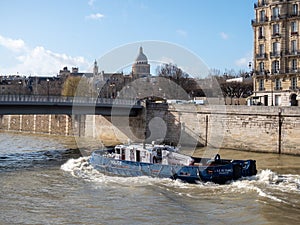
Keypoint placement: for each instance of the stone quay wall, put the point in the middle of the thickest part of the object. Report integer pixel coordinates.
(101, 128)
(249, 128)
(48, 124)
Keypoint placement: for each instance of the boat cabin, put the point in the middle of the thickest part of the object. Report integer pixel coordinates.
(149, 153)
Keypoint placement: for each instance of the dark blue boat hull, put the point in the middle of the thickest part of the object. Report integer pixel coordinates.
(231, 170)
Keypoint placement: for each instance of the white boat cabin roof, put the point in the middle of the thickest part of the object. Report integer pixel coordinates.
(147, 147)
(151, 153)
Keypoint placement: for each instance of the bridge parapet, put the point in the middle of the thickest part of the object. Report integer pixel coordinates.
(65, 99)
(34, 104)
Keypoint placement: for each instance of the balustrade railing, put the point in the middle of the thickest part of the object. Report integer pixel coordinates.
(63, 99)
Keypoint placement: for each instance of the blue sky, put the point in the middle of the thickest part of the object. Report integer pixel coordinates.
(40, 37)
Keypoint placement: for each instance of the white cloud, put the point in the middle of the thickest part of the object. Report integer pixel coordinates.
(38, 60)
(166, 60)
(241, 61)
(11, 44)
(244, 61)
(95, 16)
(181, 33)
(224, 35)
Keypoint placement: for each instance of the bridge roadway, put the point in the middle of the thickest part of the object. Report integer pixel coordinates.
(33, 104)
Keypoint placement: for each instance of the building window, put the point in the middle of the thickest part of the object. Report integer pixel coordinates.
(275, 13)
(275, 66)
(276, 29)
(261, 33)
(294, 28)
(262, 16)
(293, 83)
(276, 48)
(277, 100)
(261, 67)
(294, 65)
(261, 50)
(261, 85)
(278, 84)
(294, 46)
(295, 9)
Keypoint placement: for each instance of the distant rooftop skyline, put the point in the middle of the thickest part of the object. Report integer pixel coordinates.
(42, 37)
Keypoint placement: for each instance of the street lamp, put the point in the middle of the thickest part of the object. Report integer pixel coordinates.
(112, 85)
(280, 121)
(271, 80)
(250, 66)
(272, 103)
(48, 89)
(20, 83)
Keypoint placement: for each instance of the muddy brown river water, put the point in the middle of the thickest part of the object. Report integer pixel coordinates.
(43, 182)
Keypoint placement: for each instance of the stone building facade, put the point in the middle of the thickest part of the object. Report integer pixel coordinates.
(276, 52)
(22, 85)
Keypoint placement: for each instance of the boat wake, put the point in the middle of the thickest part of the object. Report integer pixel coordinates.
(23, 160)
(266, 184)
(80, 168)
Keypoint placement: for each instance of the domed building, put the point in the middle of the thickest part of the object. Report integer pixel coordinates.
(141, 68)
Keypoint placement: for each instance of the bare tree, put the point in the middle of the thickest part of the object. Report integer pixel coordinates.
(175, 74)
(236, 89)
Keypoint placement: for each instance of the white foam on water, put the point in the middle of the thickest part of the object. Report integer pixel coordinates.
(249, 186)
(267, 182)
(75, 164)
(284, 183)
(79, 167)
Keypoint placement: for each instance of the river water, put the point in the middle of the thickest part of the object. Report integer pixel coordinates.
(43, 182)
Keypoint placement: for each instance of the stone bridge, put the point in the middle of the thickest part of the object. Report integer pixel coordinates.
(34, 105)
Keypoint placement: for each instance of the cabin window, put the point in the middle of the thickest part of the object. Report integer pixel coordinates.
(131, 155)
(159, 152)
(138, 155)
(117, 151)
(123, 154)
